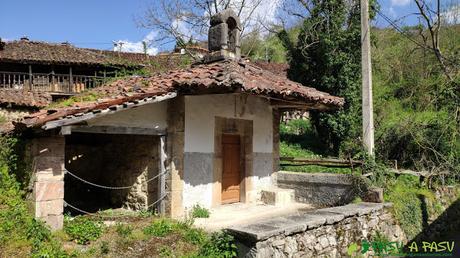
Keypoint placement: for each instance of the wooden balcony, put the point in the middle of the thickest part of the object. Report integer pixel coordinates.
(53, 83)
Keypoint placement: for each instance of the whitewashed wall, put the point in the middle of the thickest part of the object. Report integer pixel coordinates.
(200, 113)
(146, 116)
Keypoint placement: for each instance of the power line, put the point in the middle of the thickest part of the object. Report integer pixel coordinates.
(402, 32)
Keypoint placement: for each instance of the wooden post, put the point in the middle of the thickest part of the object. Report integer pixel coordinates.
(70, 80)
(53, 82)
(367, 106)
(30, 77)
(162, 177)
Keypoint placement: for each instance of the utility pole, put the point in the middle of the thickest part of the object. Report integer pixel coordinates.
(366, 70)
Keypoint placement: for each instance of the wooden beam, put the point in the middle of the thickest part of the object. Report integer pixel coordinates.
(162, 179)
(30, 77)
(66, 130)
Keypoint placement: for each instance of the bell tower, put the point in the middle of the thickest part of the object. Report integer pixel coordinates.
(224, 36)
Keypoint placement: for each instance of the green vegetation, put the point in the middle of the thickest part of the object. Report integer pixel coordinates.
(325, 57)
(219, 245)
(2, 119)
(83, 236)
(83, 97)
(159, 228)
(20, 234)
(299, 139)
(82, 230)
(199, 212)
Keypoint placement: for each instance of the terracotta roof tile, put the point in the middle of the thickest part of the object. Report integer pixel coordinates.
(25, 98)
(218, 77)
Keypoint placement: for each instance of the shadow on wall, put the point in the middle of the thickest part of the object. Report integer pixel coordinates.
(445, 228)
(110, 160)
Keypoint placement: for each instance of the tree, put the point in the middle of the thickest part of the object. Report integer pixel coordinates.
(327, 57)
(183, 19)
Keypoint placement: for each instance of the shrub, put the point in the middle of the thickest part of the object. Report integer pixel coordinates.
(105, 248)
(159, 228)
(82, 229)
(124, 230)
(195, 236)
(20, 234)
(220, 244)
(200, 212)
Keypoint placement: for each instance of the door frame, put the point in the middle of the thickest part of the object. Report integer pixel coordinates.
(243, 128)
(241, 165)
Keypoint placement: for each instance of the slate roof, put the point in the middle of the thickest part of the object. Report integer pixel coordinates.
(207, 78)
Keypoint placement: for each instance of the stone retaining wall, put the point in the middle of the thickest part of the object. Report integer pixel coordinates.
(317, 233)
(319, 189)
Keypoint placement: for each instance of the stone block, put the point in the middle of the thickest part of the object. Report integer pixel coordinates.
(48, 190)
(374, 194)
(49, 165)
(45, 208)
(277, 196)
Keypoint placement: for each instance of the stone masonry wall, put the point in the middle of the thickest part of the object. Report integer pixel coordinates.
(318, 189)
(47, 156)
(318, 233)
(111, 160)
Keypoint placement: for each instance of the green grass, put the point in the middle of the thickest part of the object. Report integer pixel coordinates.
(200, 212)
(2, 119)
(83, 97)
(299, 140)
(318, 169)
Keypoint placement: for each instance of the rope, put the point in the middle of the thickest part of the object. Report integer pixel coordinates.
(112, 187)
(66, 204)
(161, 198)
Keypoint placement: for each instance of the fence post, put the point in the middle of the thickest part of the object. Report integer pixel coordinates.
(70, 80)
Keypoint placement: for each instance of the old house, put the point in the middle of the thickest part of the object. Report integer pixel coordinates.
(207, 134)
(33, 74)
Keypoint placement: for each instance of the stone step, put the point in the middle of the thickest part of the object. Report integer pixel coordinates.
(278, 196)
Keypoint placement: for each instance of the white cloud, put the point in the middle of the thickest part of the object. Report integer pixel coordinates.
(137, 46)
(392, 12)
(400, 2)
(452, 15)
(183, 29)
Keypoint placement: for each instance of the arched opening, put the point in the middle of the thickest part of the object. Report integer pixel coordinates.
(232, 34)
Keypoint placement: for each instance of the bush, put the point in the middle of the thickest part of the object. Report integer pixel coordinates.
(195, 236)
(159, 228)
(82, 230)
(124, 230)
(200, 212)
(20, 234)
(220, 244)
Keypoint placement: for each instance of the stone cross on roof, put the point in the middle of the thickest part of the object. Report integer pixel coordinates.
(224, 36)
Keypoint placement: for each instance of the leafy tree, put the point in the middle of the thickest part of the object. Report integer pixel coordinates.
(327, 57)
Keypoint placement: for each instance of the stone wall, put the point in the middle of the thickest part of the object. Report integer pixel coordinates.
(47, 157)
(319, 189)
(317, 233)
(111, 160)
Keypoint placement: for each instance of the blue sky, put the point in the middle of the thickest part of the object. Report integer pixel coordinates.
(96, 23)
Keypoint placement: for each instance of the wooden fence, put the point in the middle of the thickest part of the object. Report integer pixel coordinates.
(321, 162)
(59, 83)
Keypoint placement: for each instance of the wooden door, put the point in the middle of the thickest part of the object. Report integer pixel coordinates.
(231, 168)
